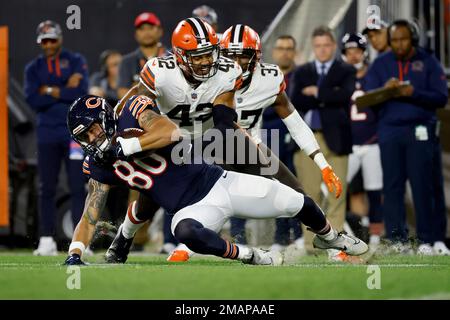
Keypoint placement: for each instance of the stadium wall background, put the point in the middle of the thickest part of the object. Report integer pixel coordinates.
(109, 24)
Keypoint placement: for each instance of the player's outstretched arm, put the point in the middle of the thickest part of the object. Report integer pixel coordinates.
(160, 131)
(304, 137)
(93, 207)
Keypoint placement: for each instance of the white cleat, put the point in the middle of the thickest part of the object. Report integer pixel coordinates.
(46, 247)
(441, 249)
(425, 250)
(265, 258)
(349, 244)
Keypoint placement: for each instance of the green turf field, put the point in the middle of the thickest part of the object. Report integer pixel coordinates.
(23, 276)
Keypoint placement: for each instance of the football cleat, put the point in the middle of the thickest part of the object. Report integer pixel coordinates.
(344, 242)
(178, 256)
(264, 258)
(74, 260)
(119, 249)
(340, 256)
(425, 250)
(46, 247)
(441, 249)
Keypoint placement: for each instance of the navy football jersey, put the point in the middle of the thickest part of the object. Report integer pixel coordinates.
(364, 123)
(172, 186)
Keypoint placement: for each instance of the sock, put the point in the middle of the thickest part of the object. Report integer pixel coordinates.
(131, 224)
(312, 216)
(328, 235)
(244, 252)
(203, 240)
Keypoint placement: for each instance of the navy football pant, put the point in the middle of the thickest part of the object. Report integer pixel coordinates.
(50, 158)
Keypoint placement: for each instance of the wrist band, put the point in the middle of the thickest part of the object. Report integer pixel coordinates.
(320, 160)
(130, 145)
(77, 245)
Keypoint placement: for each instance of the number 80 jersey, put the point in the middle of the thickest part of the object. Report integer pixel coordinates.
(266, 83)
(190, 107)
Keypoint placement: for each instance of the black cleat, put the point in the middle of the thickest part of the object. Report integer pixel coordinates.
(119, 249)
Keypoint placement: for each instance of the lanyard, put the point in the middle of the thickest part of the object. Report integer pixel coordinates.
(402, 71)
(57, 67)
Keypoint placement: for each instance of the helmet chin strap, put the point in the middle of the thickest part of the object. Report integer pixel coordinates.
(104, 145)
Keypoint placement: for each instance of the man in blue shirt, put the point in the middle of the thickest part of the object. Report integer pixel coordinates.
(53, 81)
(407, 131)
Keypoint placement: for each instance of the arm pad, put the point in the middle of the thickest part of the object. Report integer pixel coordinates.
(301, 133)
(223, 117)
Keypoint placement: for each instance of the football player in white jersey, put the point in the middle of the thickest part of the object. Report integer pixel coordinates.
(195, 87)
(263, 87)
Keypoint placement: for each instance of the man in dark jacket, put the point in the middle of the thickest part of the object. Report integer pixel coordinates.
(407, 131)
(53, 81)
(321, 91)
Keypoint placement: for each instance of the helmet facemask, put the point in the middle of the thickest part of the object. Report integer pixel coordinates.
(199, 70)
(106, 120)
(251, 54)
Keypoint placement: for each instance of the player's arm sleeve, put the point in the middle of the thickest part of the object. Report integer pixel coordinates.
(93, 207)
(147, 77)
(36, 101)
(70, 94)
(436, 93)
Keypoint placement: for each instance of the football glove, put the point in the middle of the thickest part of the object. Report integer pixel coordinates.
(332, 181)
(73, 260)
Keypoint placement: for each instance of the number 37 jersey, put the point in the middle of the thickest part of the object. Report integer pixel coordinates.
(251, 101)
(190, 107)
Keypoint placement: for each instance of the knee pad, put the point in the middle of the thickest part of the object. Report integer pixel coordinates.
(289, 201)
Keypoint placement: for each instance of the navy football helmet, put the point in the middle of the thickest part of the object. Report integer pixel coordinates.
(83, 113)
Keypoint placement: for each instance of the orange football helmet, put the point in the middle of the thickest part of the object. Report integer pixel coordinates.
(196, 47)
(241, 40)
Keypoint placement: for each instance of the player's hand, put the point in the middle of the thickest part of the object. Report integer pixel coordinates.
(74, 80)
(74, 260)
(332, 181)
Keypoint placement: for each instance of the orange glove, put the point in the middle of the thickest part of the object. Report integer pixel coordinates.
(331, 179)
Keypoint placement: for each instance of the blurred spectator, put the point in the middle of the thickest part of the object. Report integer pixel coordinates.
(283, 54)
(407, 136)
(209, 15)
(377, 36)
(104, 82)
(366, 152)
(148, 33)
(53, 81)
(321, 91)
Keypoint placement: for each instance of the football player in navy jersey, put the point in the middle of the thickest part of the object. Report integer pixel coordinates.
(365, 155)
(135, 149)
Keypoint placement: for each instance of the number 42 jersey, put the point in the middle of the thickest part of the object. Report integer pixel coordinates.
(187, 105)
(171, 184)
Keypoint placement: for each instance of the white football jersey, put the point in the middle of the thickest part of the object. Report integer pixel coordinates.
(267, 82)
(190, 107)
